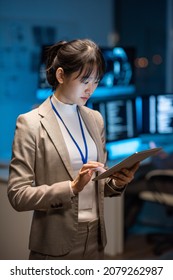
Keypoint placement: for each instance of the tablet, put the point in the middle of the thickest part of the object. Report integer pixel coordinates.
(128, 162)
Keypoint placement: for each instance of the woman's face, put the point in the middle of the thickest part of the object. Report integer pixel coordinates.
(74, 91)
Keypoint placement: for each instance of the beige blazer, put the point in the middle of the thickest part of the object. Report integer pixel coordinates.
(39, 176)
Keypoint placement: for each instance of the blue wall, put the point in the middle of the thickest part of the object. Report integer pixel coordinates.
(24, 27)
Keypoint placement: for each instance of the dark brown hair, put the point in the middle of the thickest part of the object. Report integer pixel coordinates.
(74, 56)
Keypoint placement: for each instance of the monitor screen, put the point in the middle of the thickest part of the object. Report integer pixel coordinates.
(119, 116)
(156, 113)
(43, 88)
(119, 66)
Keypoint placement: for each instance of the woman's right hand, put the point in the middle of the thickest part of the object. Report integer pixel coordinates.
(84, 176)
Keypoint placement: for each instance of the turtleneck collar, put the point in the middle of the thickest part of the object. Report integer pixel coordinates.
(63, 107)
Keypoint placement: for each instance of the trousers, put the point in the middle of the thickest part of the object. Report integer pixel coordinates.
(86, 246)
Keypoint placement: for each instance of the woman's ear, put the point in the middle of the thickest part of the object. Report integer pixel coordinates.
(60, 75)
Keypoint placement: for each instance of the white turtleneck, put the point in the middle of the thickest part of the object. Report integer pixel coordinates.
(87, 197)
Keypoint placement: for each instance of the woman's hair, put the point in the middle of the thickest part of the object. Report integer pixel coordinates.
(74, 56)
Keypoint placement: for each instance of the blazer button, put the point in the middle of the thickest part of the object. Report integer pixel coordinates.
(56, 205)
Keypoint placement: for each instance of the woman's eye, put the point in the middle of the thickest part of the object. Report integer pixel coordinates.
(86, 82)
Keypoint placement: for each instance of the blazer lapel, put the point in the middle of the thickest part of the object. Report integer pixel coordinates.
(52, 127)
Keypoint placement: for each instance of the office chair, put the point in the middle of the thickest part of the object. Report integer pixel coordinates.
(160, 189)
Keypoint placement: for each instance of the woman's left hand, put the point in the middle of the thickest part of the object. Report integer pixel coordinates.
(125, 176)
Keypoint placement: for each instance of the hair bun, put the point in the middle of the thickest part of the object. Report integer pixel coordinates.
(52, 52)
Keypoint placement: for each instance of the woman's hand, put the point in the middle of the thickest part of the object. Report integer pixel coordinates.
(84, 175)
(125, 176)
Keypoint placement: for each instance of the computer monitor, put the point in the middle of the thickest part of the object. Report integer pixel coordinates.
(43, 89)
(155, 113)
(119, 66)
(119, 116)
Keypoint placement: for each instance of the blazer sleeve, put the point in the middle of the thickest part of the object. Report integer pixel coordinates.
(22, 192)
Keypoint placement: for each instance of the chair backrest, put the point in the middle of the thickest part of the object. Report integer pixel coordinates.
(160, 181)
(160, 188)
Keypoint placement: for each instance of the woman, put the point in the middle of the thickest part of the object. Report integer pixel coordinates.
(57, 150)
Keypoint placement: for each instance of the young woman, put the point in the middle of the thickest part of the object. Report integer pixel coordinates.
(57, 150)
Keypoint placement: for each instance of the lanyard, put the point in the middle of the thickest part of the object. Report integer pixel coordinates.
(84, 158)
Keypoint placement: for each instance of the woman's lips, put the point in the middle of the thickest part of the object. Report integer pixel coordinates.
(85, 98)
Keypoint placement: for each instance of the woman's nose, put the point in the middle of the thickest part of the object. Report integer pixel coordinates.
(90, 88)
